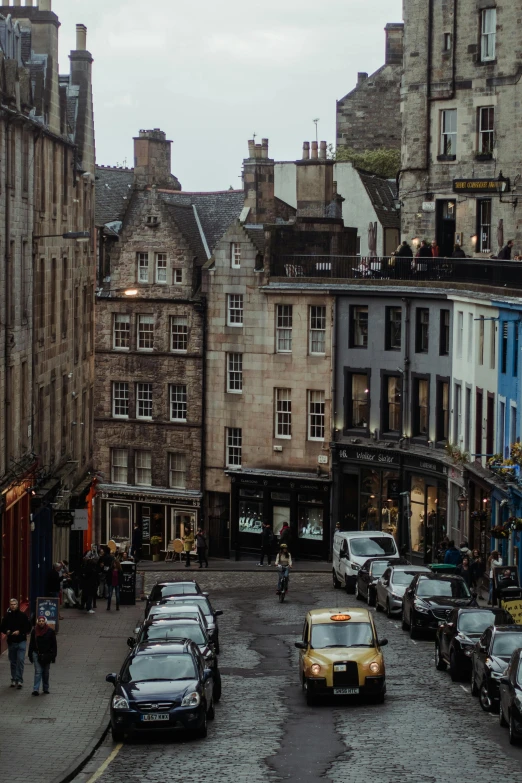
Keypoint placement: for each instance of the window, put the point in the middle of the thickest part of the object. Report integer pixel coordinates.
(119, 466)
(178, 333)
(234, 309)
(358, 326)
(235, 255)
(317, 339)
(316, 415)
(393, 329)
(422, 316)
(442, 424)
(235, 373)
(420, 407)
(448, 132)
(64, 309)
(53, 298)
(457, 415)
(145, 332)
(488, 34)
(161, 268)
(357, 392)
(392, 404)
(177, 471)
(444, 337)
(177, 276)
(504, 347)
(467, 421)
(484, 225)
(515, 349)
(283, 413)
(121, 331)
(234, 447)
(492, 344)
(144, 400)
(460, 333)
(144, 468)
(481, 340)
(502, 429)
(143, 267)
(178, 403)
(486, 130)
(446, 44)
(284, 329)
(470, 337)
(513, 425)
(120, 400)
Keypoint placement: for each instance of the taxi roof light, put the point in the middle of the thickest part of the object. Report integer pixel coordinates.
(340, 617)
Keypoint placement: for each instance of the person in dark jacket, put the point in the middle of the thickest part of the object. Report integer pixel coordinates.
(404, 251)
(42, 652)
(137, 543)
(104, 566)
(266, 544)
(89, 584)
(15, 625)
(54, 580)
(477, 568)
(505, 253)
(453, 555)
(285, 535)
(201, 547)
(458, 252)
(424, 250)
(114, 583)
(464, 570)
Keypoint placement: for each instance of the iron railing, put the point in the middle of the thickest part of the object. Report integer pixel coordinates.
(476, 271)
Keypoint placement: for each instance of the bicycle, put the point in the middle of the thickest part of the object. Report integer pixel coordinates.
(284, 583)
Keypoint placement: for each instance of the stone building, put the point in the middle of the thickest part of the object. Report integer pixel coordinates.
(47, 293)
(461, 125)
(369, 116)
(150, 343)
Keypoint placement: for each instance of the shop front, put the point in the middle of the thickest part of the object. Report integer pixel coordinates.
(300, 500)
(426, 481)
(15, 544)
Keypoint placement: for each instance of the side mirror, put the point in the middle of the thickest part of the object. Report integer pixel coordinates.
(111, 678)
(301, 645)
(383, 642)
(218, 612)
(137, 629)
(131, 642)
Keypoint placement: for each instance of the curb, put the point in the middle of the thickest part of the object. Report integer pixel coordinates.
(79, 763)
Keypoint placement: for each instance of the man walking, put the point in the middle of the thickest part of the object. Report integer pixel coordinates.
(453, 555)
(505, 253)
(104, 568)
(137, 543)
(266, 544)
(42, 652)
(201, 547)
(15, 625)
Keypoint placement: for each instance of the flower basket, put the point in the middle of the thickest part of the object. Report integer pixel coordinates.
(500, 531)
(155, 543)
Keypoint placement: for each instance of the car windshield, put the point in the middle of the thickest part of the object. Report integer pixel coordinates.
(476, 622)
(342, 635)
(379, 567)
(448, 589)
(159, 667)
(178, 589)
(505, 643)
(175, 631)
(372, 547)
(402, 577)
(195, 600)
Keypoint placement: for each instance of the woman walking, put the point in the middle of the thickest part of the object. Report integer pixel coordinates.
(494, 560)
(188, 545)
(114, 583)
(42, 652)
(201, 547)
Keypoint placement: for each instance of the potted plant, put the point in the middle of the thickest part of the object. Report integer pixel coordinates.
(155, 542)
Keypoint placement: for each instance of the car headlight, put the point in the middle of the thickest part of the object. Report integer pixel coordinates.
(397, 597)
(467, 651)
(374, 667)
(354, 566)
(120, 703)
(191, 700)
(315, 669)
(419, 607)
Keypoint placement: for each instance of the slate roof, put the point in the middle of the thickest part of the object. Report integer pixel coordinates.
(186, 222)
(256, 235)
(382, 195)
(216, 211)
(113, 192)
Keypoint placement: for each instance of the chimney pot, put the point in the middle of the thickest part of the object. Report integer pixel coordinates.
(264, 145)
(306, 150)
(45, 5)
(322, 150)
(81, 38)
(251, 148)
(259, 151)
(314, 150)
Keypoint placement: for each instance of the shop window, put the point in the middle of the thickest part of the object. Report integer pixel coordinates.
(358, 326)
(484, 225)
(391, 404)
(317, 336)
(250, 511)
(420, 417)
(284, 329)
(379, 501)
(181, 522)
(442, 424)
(488, 34)
(444, 333)
(393, 329)
(280, 515)
(310, 522)
(119, 466)
(422, 326)
(119, 522)
(423, 516)
(357, 395)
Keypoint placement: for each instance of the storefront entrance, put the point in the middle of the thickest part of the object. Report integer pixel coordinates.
(445, 228)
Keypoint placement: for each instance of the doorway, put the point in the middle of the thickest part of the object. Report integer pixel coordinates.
(446, 225)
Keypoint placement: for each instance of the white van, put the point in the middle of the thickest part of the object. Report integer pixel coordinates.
(351, 549)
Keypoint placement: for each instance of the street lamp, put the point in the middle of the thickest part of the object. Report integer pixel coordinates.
(80, 236)
(462, 501)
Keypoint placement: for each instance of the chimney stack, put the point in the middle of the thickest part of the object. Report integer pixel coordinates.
(322, 150)
(361, 77)
(258, 184)
(306, 150)
(264, 145)
(314, 150)
(152, 160)
(394, 43)
(251, 148)
(81, 38)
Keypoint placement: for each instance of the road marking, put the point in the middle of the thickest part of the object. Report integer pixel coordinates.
(97, 775)
(466, 690)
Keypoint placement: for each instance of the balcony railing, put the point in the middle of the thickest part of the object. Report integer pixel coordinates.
(477, 271)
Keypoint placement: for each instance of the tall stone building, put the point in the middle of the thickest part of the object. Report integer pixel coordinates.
(46, 292)
(461, 124)
(369, 117)
(150, 343)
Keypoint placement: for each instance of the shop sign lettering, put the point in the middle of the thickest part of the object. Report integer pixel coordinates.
(369, 456)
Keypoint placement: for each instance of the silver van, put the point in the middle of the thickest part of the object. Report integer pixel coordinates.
(351, 549)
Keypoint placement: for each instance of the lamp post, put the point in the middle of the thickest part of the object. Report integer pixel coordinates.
(462, 501)
(80, 236)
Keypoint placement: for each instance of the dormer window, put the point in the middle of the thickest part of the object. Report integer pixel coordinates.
(152, 220)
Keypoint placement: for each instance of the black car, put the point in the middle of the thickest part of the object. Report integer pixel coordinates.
(158, 630)
(162, 686)
(510, 713)
(430, 599)
(457, 636)
(203, 602)
(368, 575)
(489, 661)
(170, 588)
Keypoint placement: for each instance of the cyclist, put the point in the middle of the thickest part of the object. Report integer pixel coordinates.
(284, 561)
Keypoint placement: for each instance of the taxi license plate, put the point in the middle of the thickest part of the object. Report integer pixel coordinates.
(155, 716)
(346, 691)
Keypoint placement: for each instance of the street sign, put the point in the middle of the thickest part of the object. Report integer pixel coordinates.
(514, 607)
(81, 519)
(50, 608)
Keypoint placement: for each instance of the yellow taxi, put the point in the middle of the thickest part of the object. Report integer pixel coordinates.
(340, 655)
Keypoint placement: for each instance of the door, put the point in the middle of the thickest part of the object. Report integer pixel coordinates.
(445, 227)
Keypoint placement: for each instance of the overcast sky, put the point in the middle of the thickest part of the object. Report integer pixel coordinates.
(210, 74)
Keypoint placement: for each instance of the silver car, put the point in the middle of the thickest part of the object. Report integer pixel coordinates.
(390, 588)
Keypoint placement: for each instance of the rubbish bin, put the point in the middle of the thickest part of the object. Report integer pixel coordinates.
(128, 588)
(443, 568)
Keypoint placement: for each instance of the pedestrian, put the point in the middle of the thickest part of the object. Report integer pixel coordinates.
(434, 249)
(114, 583)
(464, 570)
(285, 535)
(452, 555)
(505, 253)
(266, 543)
(403, 261)
(477, 568)
(201, 547)
(188, 545)
(53, 583)
(89, 584)
(424, 250)
(494, 560)
(15, 625)
(465, 550)
(42, 652)
(458, 252)
(137, 543)
(404, 251)
(104, 566)
(284, 561)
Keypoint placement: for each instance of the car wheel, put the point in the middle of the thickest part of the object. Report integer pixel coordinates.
(413, 631)
(501, 719)
(371, 600)
(216, 692)
(455, 670)
(378, 607)
(348, 587)
(211, 712)
(336, 582)
(440, 663)
(201, 733)
(388, 609)
(485, 701)
(358, 596)
(117, 736)
(405, 626)
(513, 738)
(216, 647)
(474, 688)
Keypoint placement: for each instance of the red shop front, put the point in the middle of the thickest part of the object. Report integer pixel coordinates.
(14, 579)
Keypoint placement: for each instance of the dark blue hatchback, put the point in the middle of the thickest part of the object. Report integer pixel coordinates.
(162, 686)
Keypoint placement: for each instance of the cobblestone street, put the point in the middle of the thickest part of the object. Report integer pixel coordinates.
(263, 729)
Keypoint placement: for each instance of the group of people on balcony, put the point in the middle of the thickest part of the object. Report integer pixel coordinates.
(431, 250)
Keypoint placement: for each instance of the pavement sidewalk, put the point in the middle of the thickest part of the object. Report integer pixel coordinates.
(46, 739)
(222, 564)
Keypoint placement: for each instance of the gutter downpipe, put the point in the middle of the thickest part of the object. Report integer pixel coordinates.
(7, 283)
(333, 420)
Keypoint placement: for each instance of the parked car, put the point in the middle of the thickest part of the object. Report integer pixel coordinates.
(351, 549)
(167, 611)
(203, 602)
(162, 686)
(368, 575)
(429, 600)
(457, 636)
(510, 707)
(168, 588)
(489, 661)
(391, 586)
